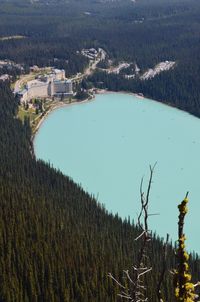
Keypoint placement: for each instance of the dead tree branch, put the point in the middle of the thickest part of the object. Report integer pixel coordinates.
(136, 289)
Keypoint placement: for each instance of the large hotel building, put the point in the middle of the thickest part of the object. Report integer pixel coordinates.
(52, 85)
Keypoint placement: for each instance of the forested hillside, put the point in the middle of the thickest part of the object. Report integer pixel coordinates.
(57, 243)
(142, 32)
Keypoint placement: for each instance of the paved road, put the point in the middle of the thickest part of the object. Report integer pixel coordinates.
(24, 78)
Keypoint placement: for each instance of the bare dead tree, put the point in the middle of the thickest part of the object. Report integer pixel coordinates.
(136, 289)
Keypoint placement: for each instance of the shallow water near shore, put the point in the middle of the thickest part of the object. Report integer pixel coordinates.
(107, 146)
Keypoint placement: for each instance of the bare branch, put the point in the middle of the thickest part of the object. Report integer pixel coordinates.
(125, 296)
(136, 290)
(140, 236)
(128, 276)
(146, 271)
(111, 276)
(197, 284)
(150, 182)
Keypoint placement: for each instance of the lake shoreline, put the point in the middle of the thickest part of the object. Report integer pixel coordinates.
(62, 104)
(51, 109)
(107, 146)
(90, 99)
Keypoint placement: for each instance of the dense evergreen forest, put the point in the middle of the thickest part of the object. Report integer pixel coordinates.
(143, 32)
(57, 243)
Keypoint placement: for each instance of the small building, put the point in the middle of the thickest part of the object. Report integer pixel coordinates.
(23, 95)
(4, 77)
(59, 74)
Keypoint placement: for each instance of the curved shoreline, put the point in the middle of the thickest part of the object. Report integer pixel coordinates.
(99, 91)
(62, 104)
(73, 115)
(51, 109)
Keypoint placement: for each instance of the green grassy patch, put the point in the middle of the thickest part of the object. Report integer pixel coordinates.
(30, 113)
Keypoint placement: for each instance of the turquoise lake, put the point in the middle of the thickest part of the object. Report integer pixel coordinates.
(107, 145)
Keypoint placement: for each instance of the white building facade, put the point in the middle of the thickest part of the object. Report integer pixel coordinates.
(53, 85)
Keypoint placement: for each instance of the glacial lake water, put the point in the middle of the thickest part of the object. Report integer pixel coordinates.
(107, 145)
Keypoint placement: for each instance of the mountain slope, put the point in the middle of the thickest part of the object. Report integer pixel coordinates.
(57, 243)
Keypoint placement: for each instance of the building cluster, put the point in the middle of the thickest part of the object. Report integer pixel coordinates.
(91, 53)
(44, 86)
(4, 77)
(10, 65)
(160, 67)
(117, 69)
